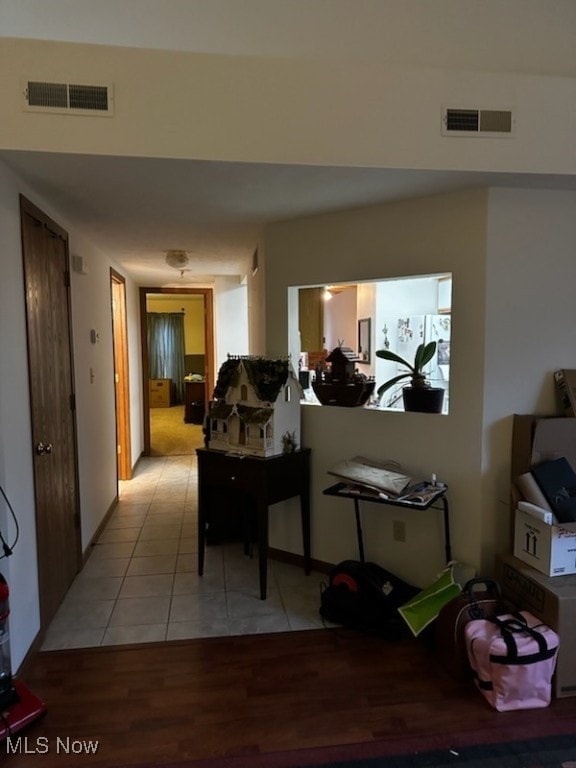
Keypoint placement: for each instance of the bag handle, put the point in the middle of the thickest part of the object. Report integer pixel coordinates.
(518, 625)
(491, 586)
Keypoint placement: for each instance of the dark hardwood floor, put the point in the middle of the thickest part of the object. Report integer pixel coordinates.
(250, 695)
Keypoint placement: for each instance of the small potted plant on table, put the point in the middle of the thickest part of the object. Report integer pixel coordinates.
(419, 395)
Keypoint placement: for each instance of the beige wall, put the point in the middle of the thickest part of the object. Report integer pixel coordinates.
(438, 234)
(95, 414)
(530, 319)
(245, 108)
(193, 318)
(257, 306)
(511, 255)
(464, 34)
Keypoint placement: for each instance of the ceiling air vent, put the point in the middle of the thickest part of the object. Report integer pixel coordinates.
(477, 122)
(68, 98)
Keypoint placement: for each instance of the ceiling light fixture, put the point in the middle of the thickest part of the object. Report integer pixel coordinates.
(333, 290)
(177, 259)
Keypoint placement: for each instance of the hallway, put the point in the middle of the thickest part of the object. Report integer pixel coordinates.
(140, 584)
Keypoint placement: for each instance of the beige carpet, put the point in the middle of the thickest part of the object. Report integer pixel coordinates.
(170, 436)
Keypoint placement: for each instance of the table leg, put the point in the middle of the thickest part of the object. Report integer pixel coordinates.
(202, 500)
(359, 530)
(447, 530)
(263, 547)
(305, 515)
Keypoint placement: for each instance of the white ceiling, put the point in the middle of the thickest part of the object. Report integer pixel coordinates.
(514, 36)
(135, 209)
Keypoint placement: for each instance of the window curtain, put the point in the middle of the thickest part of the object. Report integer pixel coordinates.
(166, 350)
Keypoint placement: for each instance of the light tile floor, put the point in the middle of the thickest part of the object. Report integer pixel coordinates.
(140, 582)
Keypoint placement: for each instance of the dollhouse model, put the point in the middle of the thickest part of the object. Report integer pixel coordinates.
(338, 382)
(256, 407)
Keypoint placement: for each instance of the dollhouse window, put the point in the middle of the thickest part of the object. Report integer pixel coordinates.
(287, 394)
(243, 392)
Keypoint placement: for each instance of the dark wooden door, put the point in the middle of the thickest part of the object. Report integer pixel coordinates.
(52, 406)
(311, 319)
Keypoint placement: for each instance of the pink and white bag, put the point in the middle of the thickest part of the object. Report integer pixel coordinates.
(513, 658)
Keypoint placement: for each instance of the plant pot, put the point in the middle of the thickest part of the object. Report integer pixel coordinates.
(347, 395)
(423, 399)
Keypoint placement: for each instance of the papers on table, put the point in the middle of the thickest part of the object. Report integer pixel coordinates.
(385, 480)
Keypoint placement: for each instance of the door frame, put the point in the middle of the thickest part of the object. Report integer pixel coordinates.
(208, 295)
(121, 374)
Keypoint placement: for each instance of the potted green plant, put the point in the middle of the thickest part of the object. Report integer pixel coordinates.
(419, 395)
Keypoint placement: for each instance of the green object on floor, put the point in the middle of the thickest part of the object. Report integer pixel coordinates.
(424, 607)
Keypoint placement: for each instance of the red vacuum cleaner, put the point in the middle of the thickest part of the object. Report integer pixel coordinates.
(18, 706)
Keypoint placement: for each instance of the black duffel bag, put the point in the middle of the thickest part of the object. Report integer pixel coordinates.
(366, 597)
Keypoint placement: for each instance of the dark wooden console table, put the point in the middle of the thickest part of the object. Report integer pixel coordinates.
(344, 491)
(264, 481)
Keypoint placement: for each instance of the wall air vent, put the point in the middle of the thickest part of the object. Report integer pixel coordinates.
(477, 122)
(68, 98)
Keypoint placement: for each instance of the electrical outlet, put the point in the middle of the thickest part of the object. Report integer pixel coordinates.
(399, 530)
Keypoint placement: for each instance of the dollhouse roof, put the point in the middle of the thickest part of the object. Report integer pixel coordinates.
(342, 354)
(267, 376)
(255, 415)
(220, 410)
(226, 377)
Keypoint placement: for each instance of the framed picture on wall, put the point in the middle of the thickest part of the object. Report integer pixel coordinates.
(364, 332)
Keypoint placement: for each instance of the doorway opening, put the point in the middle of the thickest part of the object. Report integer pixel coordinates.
(177, 331)
(121, 375)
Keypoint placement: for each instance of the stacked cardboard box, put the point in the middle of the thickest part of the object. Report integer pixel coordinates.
(550, 549)
(553, 601)
(541, 575)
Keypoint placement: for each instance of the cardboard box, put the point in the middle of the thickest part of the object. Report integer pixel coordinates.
(566, 388)
(536, 439)
(550, 549)
(541, 438)
(159, 393)
(553, 601)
